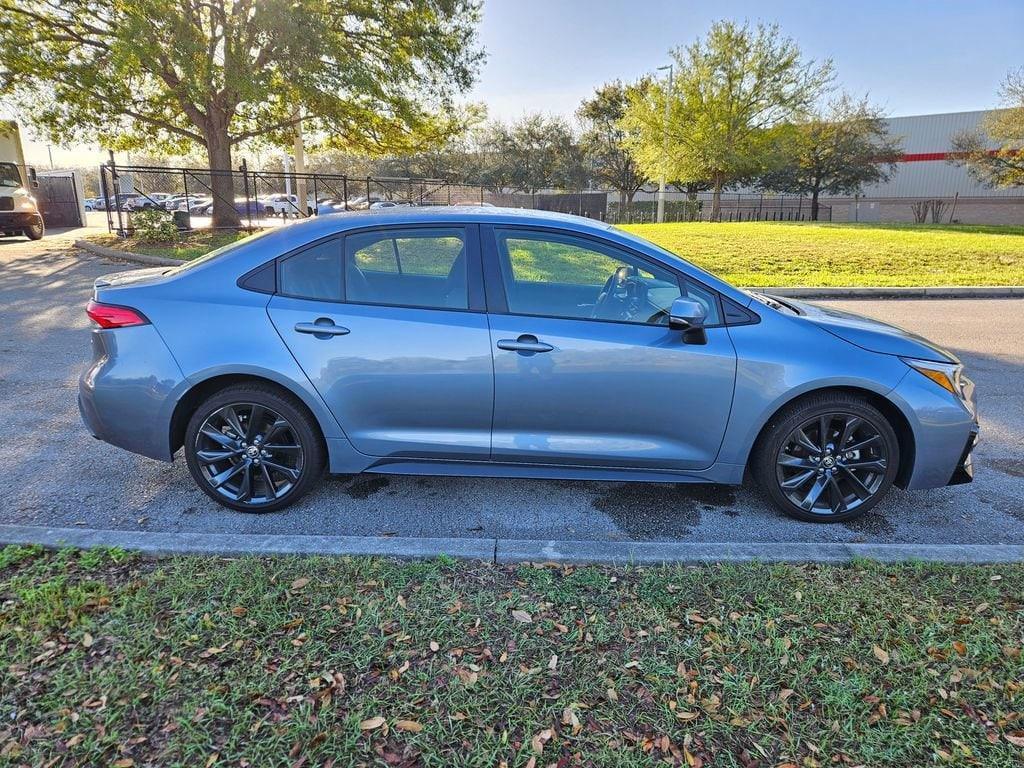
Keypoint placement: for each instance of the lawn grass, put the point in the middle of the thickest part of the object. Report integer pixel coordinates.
(110, 660)
(189, 246)
(758, 254)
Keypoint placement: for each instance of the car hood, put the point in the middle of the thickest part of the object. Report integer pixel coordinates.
(872, 335)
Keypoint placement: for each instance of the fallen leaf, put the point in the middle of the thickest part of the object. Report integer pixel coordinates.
(1017, 741)
(553, 663)
(124, 762)
(87, 640)
(300, 583)
(880, 654)
(434, 646)
(371, 724)
(540, 739)
(522, 616)
(408, 725)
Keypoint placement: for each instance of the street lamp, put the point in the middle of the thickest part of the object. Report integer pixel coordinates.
(664, 146)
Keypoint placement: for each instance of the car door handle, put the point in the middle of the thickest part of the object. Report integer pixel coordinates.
(322, 327)
(525, 343)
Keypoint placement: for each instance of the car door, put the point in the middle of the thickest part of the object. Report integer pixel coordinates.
(587, 371)
(389, 326)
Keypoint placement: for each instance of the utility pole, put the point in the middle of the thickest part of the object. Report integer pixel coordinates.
(300, 166)
(664, 146)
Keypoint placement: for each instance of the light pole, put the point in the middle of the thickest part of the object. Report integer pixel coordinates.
(664, 146)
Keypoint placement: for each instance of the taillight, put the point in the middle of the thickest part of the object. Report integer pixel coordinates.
(112, 316)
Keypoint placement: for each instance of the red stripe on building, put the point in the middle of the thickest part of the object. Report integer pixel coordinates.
(926, 156)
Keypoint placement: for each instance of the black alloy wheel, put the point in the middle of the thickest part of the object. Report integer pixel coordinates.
(830, 459)
(253, 449)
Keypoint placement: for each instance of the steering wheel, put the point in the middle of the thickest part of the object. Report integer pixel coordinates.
(621, 286)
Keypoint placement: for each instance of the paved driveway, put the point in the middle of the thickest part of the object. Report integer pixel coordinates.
(54, 474)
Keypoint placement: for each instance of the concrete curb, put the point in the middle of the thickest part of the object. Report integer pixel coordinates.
(163, 543)
(131, 258)
(930, 292)
(651, 552)
(504, 551)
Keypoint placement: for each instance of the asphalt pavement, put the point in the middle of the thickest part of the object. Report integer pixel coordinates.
(54, 474)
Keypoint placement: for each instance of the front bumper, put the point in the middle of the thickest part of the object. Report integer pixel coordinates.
(18, 219)
(964, 472)
(945, 431)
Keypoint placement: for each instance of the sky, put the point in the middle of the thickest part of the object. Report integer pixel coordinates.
(910, 56)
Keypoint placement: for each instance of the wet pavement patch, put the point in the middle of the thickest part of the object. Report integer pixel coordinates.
(647, 511)
(364, 487)
(1013, 467)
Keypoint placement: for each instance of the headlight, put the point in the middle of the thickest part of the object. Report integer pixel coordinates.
(949, 376)
(23, 201)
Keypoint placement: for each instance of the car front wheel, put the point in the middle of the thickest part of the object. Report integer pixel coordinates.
(829, 458)
(253, 448)
(36, 230)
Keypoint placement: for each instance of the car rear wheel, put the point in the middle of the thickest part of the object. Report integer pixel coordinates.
(253, 448)
(828, 459)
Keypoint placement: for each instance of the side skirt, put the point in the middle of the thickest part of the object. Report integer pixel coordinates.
(345, 460)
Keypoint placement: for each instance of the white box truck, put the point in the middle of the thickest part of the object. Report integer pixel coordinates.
(19, 212)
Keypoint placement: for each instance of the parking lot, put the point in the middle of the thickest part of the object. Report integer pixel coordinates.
(55, 474)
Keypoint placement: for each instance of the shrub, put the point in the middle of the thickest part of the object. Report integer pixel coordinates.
(154, 225)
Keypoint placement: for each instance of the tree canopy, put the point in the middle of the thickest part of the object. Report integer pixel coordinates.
(604, 139)
(834, 151)
(730, 94)
(1004, 165)
(374, 77)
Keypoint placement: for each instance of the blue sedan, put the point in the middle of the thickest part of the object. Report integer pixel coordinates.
(505, 343)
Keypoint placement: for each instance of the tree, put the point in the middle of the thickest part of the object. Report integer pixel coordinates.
(834, 152)
(603, 140)
(1003, 165)
(374, 76)
(529, 155)
(731, 93)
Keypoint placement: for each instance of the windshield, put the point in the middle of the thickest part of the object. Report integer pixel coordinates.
(9, 176)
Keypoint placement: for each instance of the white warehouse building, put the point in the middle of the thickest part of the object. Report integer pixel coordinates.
(923, 173)
(926, 173)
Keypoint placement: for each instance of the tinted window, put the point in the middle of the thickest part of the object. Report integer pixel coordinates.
(314, 273)
(564, 276)
(408, 267)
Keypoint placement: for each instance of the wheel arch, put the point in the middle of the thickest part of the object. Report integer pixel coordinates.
(897, 419)
(195, 395)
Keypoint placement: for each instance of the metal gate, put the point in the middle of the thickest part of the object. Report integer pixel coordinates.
(58, 201)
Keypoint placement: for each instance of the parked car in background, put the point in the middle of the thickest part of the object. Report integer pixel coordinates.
(497, 342)
(182, 202)
(244, 207)
(143, 201)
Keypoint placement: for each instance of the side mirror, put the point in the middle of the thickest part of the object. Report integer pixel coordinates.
(33, 179)
(688, 316)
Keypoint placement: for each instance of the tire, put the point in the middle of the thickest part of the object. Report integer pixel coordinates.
(820, 480)
(36, 231)
(279, 470)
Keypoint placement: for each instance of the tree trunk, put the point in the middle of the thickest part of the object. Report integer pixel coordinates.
(623, 207)
(814, 204)
(222, 180)
(716, 199)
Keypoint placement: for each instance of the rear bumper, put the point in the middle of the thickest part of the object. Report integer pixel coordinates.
(127, 394)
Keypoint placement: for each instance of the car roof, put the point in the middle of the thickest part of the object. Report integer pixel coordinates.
(321, 226)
